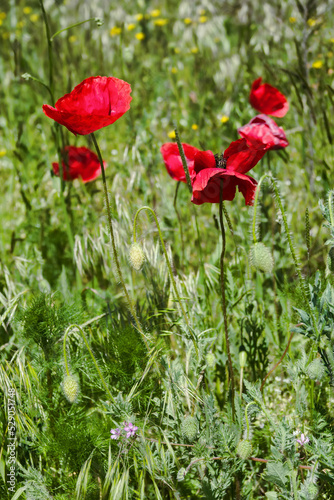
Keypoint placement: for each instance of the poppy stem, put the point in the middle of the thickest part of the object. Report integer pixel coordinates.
(330, 208)
(50, 53)
(113, 244)
(183, 158)
(222, 281)
(71, 327)
(180, 221)
(256, 200)
(168, 265)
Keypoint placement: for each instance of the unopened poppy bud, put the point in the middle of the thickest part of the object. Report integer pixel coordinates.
(244, 449)
(330, 260)
(210, 360)
(136, 256)
(189, 428)
(242, 356)
(316, 369)
(71, 388)
(261, 258)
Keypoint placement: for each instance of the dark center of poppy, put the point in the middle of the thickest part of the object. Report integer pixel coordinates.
(220, 161)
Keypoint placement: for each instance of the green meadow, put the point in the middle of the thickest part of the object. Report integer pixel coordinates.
(152, 347)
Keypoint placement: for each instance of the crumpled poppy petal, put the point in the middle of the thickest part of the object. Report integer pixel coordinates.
(207, 186)
(93, 104)
(173, 162)
(79, 163)
(204, 159)
(241, 157)
(267, 99)
(263, 132)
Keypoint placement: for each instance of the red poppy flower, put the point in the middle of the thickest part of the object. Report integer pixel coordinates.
(173, 162)
(237, 159)
(79, 163)
(268, 99)
(95, 103)
(263, 133)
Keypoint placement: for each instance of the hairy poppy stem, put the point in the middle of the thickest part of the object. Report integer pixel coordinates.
(168, 265)
(256, 200)
(183, 158)
(222, 281)
(50, 53)
(113, 244)
(180, 221)
(71, 327)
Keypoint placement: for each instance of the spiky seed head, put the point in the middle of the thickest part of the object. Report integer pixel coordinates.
(244, 449)
(242, 356)
(316, 369)
(330, 260)
(210, 359)
(136, 256)
(189, 428)
(261, 258)
(312, 491)
(71, 388)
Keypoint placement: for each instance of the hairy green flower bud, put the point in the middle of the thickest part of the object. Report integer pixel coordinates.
(210, 360)
(244, 449)
(71, 388)
(136, 256)
(316, 369)
(330, 260)
(181, 474)
(242, 356)
(189, 428)
(261, 258)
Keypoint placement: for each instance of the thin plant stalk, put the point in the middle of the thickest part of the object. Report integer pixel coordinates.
(222, 282)
(113, 244)
(183, 158)
(180, 221)
(149, 209)
(71, 327)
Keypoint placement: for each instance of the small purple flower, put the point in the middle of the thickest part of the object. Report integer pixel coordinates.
(303, 440)
(115, 433)
(130, 429)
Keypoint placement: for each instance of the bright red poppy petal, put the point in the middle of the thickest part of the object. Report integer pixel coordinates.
(173, 162)
(263, 133)
(241, 157)
(79, 163)
(267, 99)
(204, 159)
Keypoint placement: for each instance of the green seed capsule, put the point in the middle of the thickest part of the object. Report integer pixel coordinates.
(71, 388)
(189, 428)
(261, 258)
(136, 256)
(244, 449)
(242, 356)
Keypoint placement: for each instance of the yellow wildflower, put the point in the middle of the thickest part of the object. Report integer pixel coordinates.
(140, 17)
(1, 21)
(20, 25)
(194, 50)
(27, 10)
(292, 20)
(72, 38)
(131, 27)
(34, 18)
(194, 126)
(171, 134)
(317, 64)
(311, 22)
(5, 35)
(187, 20)
(203, 19)
(160, 22)
(331, 40)
(3, 16)
(3, 152)
(174, 70)
(224, 119)
(115, 31)
(140, 36)
(155, 13)
(330, 54)
(177, 50)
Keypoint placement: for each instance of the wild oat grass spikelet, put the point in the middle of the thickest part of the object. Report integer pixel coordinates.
(189, 428)
(244, 449)
(136, 256)
(261, 257)
(330, 260)
(71, 388)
